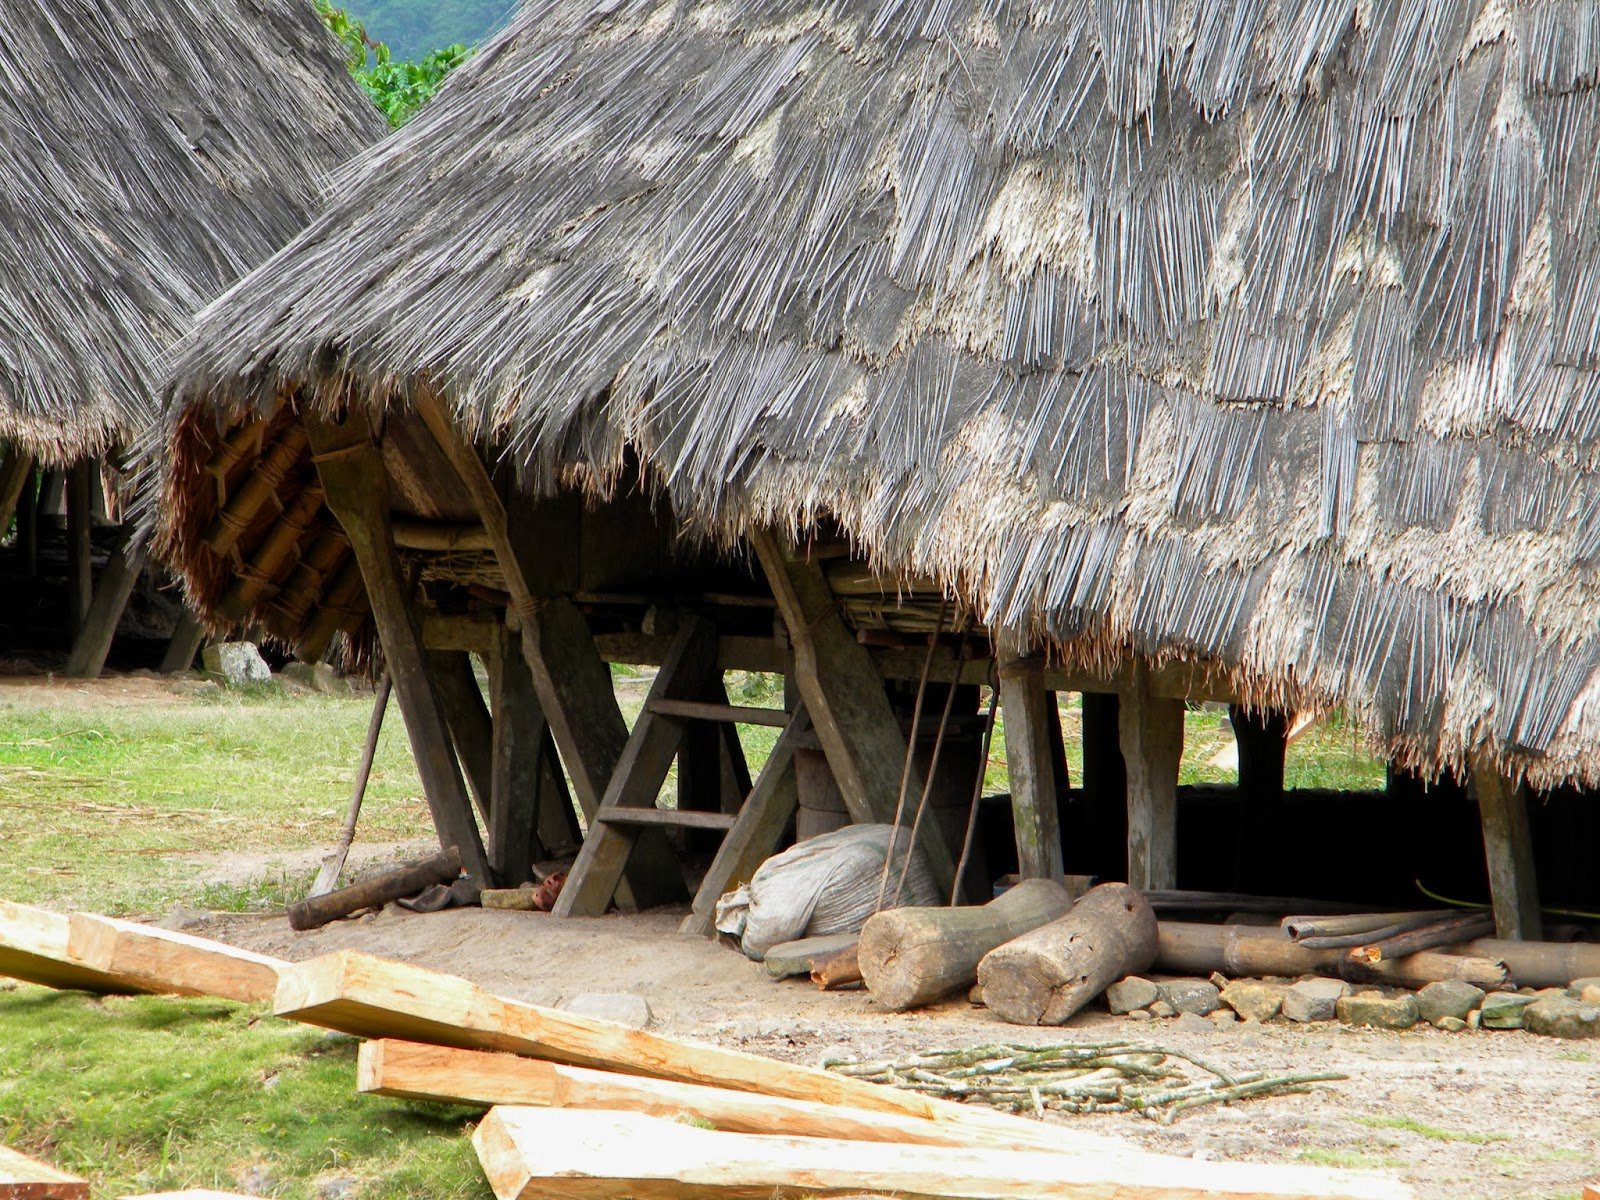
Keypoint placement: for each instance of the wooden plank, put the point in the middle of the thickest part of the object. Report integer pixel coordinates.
(34, 948)
(1508, 851)
(755, 834)
(556, 1154)
(689, 670)
(82, 478)
(844, 694)
(24, 1178)
(160, 960)
(669, 818)
(1151, 734)
(1031, 762)
(443, 1075)
(471, 727)
(357, 488)
(375, 998)
(738, 714)
(441, 631)
(111, 592)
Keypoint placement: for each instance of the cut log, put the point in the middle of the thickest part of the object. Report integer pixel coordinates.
(838, 970)
(160, 960)
(377, 891)
(800, 957)
(1248, 950)
(1046, 975)
(551, 1154)
(913, 956)
(24, 1178)
(34, 947)
(375, 998)
(409, 1071)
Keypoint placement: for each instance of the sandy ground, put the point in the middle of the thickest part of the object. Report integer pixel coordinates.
(1502, 1114)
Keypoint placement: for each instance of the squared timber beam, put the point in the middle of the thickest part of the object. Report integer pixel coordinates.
(1030, 757)
(1151, 731)
(1508, 851)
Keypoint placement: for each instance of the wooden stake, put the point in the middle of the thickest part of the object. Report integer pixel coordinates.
(333, 866)
(357, 489)
(1152, 746)
(845, 696)
(1031, 763)
(111, 593)
(554, 1154)
(1508, 849)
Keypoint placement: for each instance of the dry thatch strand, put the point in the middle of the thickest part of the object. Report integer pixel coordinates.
(151, 152)
(1265, 332)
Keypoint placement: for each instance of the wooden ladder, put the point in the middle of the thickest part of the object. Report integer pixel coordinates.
(688, 672)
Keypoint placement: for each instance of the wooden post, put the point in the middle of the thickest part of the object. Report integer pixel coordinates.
(80, 544)
(1262, 738)
(1152, 746)
(1031, 765)
(572, 681)
(28, 526)
(185, 644)
(530, 811)
(16, 477)
(1508, 850)
(357, 488)
(844, 694)
(93, 644)
(471, 728)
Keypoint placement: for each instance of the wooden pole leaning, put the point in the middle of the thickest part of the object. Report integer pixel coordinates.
(351, 468)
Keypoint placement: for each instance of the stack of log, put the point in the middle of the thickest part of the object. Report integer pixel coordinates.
(582, 1108)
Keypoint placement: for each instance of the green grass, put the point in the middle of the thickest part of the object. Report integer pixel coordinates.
(1354, 1160)
(144, 1094)
(1432, 1132)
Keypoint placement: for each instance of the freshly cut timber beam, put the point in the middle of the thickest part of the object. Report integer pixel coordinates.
(409, 1071)
(913, 956)
(1043, 977)
(159, 960)
(375, 998)
(552, 1154)
(24, 1178)
(34, 948)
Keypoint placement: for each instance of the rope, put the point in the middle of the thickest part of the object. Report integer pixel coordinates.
(977, 787)
(911, 749)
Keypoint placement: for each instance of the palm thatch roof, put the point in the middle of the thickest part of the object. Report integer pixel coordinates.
(151, 152)
(1257, 332)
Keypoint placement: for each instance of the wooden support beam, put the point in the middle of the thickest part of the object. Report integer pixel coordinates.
(1152, 745)
(844, 694)
(1262, 739)
(16, 477)
(540, 1153)
(1031, 764)
(160, 960)
(24, 1178)
(572, 681)
(1508, 850)
(475, 635)
(34, 947)
(530, 811)
(471, 728)
(111, 593)
(357, 489)
(28, 527)
(185, 644)
(82, 479)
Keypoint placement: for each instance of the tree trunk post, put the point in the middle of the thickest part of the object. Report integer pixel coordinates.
(1030, 763)
(80, 542)
(185, 644)
(1151, 730)
(1508, 852)
(93, 643)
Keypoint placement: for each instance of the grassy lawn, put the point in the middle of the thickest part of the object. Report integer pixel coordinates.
(143, 1094)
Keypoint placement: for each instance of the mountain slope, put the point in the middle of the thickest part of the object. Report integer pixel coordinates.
(414, 27)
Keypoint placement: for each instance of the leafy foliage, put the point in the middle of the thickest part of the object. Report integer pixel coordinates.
(399, 87)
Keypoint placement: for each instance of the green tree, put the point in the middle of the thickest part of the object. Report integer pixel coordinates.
(399, 87)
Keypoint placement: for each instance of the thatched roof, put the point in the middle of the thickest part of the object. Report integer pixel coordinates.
(1257, 331)
(151, 152)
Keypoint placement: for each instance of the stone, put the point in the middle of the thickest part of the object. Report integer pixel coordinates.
(1448, 998)
(1162, 1009)
(336, 1187)
(788, 959)
(1131, 993)
(1589, 994)
(1193, 1023)
(316, 677)
(1451, 1024)
(624, 1008)
(237, 664)
(1503, 1010)
(1378, 1011)
(1314, 999)
(1475, 1019)
(1562, 1017)
(1141, 1014)
(1223, 1017)
(1198, 996)
(1254, 1000)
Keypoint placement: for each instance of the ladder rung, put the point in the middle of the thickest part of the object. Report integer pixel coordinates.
(696, 710)
(678, 818)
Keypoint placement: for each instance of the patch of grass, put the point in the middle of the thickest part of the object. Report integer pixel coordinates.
(1573, 1055)
(1349, 1159)
(1411, 1125)
(146, 1094)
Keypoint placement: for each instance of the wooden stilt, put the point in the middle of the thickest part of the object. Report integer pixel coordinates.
(1263, 743)
(1152, 745)
(1508, 850)
(1031, 763)
(844, 693)
(80, 545)
(1104, 784)
(357, 488)
(16, 476)
(572, 681)
(471, 728)
(28, 526)
(93, 644)
(185, 644)
(530, 812)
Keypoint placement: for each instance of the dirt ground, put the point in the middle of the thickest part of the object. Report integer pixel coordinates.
(1488, 1114)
